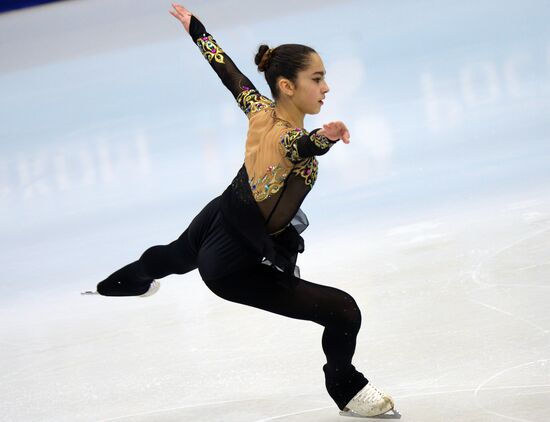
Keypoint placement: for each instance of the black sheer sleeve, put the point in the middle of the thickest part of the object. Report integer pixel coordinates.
(248, 98)
(296, 145)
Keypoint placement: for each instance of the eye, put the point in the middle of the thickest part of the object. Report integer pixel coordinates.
(317, 79)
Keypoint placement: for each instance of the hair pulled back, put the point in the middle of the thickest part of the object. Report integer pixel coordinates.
(284, 61)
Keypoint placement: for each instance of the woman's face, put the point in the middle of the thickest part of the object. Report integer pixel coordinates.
(311, 87)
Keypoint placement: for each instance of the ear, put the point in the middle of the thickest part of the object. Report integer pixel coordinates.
(286, 87)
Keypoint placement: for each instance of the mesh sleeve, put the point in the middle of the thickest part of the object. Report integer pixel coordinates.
(246, 94)
(297, 145)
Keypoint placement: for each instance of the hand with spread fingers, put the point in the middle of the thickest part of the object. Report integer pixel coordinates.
(335, 130)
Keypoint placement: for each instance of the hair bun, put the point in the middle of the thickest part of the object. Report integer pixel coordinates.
(263, 57)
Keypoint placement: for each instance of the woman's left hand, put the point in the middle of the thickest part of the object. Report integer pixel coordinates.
(182, 14)
(335, 130)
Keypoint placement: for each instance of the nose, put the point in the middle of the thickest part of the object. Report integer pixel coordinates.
(327, 89)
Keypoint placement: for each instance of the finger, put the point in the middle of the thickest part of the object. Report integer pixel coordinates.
(181, 9)
(176, 13)
(177, 16)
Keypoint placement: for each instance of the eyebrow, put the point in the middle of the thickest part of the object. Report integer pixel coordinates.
(321, 73)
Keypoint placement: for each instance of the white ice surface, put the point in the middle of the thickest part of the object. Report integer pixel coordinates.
(436, 217)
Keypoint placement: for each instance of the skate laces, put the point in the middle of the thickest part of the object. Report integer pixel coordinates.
(370, 401)
(370, 394)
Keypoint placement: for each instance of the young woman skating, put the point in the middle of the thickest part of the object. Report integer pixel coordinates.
(245, 241)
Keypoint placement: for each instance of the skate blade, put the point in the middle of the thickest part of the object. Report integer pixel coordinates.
(393, 415)
(89, 292)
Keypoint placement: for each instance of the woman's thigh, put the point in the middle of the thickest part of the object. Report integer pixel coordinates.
(220, 254)
(201, 225)
(264, 287)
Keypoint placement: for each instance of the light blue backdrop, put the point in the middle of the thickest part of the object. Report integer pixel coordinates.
(115, 132)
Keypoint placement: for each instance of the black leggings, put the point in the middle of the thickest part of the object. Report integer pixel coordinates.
(238, 276)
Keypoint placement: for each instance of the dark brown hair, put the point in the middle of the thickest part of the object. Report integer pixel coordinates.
(285, 60)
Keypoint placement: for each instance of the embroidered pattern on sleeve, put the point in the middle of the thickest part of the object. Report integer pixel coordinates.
(320, 140)
(251, 101)
(269, 184)
(210, 49)
(307, 169)
(289, 145)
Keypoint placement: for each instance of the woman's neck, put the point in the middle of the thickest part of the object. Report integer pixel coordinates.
(287, 111)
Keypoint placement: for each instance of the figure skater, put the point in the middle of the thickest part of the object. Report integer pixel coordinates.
(245, 241)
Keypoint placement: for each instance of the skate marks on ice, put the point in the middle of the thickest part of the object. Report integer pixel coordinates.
(198, 412)
(507, 395)
(390, 414)
(525, 255)
(512, 280)
(499, 397)
(544, 263)
(306, 408)
(519, 266)
(327, 415)
(514, 316)
(497, 261)
(243, 410)
(422, 235)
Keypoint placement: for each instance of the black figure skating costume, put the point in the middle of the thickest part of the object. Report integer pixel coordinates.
(245, 242)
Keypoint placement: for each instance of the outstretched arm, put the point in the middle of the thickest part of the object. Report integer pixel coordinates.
(240, 86)
(297, 145)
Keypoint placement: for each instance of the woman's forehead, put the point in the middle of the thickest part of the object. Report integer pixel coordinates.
(315, 65)
(315, 60)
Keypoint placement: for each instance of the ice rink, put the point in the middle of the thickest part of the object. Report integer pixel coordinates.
(115, 132)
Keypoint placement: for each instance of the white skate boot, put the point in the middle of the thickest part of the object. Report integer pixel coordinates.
(153, 288)
(370, 401)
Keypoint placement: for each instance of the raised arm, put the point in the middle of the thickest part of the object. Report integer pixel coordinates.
(240, 86)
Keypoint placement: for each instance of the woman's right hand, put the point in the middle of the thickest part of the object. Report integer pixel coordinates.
(181, 14)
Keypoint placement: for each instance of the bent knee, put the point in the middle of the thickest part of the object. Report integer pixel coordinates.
(348, 314)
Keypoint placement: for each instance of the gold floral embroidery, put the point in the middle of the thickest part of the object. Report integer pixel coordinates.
(269, 183)
(307, 169)
(210, 49)
(290, 146)
(320, 141)
(250, 101)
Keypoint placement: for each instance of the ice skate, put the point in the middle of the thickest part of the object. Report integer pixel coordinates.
(370, 401)
(153, 288)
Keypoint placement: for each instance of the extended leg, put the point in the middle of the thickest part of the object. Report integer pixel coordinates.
(134, 279)
(178, 257)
